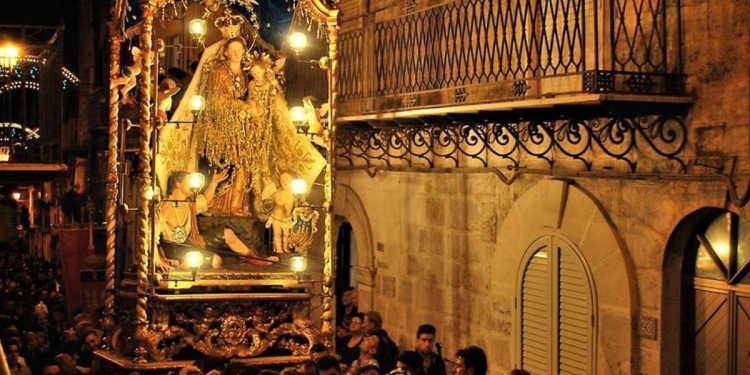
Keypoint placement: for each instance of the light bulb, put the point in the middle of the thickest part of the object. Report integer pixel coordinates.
(194, 259)
(153, 193)
(298, 263)
(9, 56)
(298, 186)
(196, 181)
(197, 27)
(16, 195)
(298, 41)
(298, 114)
(197, 103)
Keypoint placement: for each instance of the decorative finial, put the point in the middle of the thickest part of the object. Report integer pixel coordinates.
(229, 24)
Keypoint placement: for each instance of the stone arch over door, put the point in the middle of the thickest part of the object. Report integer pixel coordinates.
(560, 208)
(348, 207)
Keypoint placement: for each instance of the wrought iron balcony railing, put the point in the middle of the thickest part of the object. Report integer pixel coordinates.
(487, 50)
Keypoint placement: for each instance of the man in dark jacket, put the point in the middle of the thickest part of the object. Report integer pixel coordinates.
(432, 362)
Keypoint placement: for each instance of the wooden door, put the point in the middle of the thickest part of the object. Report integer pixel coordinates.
(719, 341)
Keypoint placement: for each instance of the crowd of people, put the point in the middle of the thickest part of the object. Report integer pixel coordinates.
(34, 326)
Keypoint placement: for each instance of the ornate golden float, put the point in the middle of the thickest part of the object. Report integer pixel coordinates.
(163, 305)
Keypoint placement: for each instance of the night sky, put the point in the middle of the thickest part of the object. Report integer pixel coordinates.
(274, 16)
(47, 13)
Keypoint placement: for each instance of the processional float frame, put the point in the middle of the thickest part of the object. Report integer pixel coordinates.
(137, 322)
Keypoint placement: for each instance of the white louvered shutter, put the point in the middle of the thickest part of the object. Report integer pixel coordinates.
(536, 300)
(556, 312)
(574, 312)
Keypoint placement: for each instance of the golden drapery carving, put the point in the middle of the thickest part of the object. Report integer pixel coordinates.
(246, 124)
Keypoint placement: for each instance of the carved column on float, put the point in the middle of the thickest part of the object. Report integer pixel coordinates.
(144, 156)
(328, 329)
(112, 163)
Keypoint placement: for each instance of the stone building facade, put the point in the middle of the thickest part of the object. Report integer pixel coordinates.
(454, 247)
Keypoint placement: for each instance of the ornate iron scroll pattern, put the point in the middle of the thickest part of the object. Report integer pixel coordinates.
(516, 144)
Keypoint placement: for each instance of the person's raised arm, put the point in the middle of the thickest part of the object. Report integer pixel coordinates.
(216, 178)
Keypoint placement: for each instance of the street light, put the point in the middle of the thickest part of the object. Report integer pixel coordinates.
(16, 196)
(8, 56)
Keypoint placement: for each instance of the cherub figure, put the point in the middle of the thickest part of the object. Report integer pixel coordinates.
(129, 74)
(280, 220)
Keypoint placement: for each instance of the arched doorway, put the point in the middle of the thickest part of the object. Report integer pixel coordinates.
(568, 217)
(717, 297)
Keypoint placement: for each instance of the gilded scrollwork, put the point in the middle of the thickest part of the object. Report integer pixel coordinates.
(226, 329)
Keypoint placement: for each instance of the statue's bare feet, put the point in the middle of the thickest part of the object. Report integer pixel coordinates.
(216, 261)
(164, 264)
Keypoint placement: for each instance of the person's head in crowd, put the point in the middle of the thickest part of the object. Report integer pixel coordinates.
(193, 67)
(211, 365)
(70, 336)
(317, 351)
(369, 346)
(387, 350)
(34, 341)
(409, 363)
(470, 361)
(58, 315)
(234, 368)
(368, 370)
(290, 371)
(190, 370)
(307, 367)
(177, 74)
(355, 324)
(50, 367)
(328, 365)
(92, 340)
(517, 371)
(426, 339)
(346, 296)
(67, 364)
(373, 320)
(268, 372)
(12, 352)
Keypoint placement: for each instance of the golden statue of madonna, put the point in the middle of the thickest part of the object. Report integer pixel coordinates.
(246, 124)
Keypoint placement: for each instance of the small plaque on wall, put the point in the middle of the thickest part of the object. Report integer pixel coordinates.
(647, 328)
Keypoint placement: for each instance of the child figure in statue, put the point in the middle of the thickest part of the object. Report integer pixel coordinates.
(280, 220)
(177, 220)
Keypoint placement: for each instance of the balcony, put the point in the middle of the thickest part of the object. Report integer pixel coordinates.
(484, 55)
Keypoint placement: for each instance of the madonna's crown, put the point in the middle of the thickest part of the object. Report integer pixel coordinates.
(229, 24)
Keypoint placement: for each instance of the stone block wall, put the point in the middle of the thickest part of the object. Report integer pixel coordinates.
(435, 236)
(438, 261)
